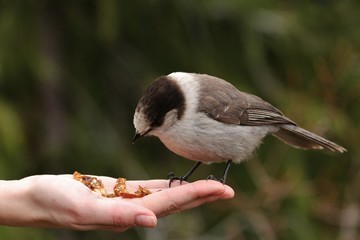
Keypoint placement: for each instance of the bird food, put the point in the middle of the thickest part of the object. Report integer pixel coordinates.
(120, 190)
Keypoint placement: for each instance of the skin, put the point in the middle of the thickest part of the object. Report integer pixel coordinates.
(61, 202)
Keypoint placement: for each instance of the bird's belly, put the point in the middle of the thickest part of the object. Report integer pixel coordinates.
(207, 140)
(195, 151)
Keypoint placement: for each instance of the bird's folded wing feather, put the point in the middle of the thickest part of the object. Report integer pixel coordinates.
(228, 105)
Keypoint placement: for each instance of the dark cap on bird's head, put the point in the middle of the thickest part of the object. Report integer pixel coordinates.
(162, 96)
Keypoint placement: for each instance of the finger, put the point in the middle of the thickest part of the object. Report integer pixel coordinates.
(227, 194)
(156, 184)
(197, 203)
(186, 196)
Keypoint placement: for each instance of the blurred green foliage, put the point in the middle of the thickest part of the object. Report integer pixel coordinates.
(71, 73)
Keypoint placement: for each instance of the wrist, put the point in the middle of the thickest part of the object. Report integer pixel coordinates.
(18, 203)
(14, 203)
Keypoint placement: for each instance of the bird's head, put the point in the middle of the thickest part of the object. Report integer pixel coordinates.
(161, 105)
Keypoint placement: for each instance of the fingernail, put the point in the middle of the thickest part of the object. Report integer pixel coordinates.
(145, 221)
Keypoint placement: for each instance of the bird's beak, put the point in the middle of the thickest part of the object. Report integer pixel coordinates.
(136, 137)
(139, 135)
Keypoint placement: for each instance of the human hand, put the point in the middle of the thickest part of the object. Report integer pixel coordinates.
(60, 201)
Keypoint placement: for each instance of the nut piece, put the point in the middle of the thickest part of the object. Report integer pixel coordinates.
(93, 183)
(120, 190)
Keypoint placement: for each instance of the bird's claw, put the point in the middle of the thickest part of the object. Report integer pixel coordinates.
(212, 177)
(172, 177)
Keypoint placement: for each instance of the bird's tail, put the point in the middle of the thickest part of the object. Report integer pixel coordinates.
(301, 138)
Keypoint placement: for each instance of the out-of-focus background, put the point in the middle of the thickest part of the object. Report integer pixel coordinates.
(71, 73)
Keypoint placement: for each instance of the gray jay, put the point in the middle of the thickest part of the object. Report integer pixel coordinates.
(206, 119)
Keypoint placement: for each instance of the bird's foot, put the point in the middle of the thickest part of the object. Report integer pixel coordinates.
(223, 178)
(172, 177)
(212, 177)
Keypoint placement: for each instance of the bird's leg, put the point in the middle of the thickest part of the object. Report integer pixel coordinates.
(172, 176)
(223, 178)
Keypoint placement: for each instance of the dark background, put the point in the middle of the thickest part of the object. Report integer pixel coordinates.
(71, 73)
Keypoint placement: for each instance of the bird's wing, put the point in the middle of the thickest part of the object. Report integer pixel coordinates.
(226, 104)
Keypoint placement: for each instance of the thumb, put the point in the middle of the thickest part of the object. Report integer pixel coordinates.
(123, 213)
(113, 214)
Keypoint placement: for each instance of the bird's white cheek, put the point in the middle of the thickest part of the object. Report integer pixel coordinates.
(141, 125)
(170, 119)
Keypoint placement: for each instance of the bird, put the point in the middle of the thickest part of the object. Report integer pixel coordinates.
(208, 120)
